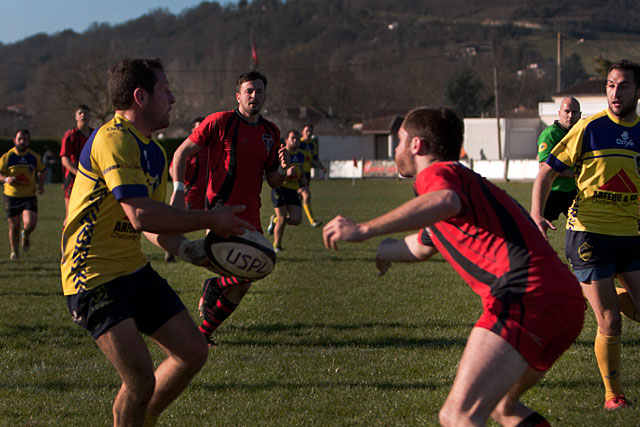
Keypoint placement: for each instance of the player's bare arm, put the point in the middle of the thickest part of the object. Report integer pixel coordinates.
(187, 149)
(417, 213)
(149, 215)
(539, 194)
(407, 249)
(277, 177)
(69, 165)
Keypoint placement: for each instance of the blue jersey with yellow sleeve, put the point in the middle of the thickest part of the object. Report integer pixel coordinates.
(605, 154)
(99, 243)
(297, 159)
(310, 149)
(24, 167)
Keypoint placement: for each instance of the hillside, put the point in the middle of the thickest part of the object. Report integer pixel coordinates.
(344, 58)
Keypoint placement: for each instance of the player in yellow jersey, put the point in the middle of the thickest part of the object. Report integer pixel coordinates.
(602, 240)
(286, 201)
(309, 145)
(19, 169)
(110, 288)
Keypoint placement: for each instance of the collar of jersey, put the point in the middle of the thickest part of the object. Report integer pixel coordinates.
(621, 122)
(131, 128)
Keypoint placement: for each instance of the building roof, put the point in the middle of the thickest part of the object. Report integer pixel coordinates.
(382, 125)
(588, 87)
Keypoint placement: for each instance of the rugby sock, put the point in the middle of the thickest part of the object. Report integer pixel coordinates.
(214, 317)
(534, 420)
(150, 420)
(226, 282)
(626, 305)
(607, 350)
(307, 210)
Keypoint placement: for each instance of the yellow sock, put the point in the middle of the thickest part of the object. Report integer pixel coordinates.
(608, 355)
(307, 210)
(150, 420)
(626, 305)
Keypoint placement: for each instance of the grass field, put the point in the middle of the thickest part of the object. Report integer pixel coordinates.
(321, 341)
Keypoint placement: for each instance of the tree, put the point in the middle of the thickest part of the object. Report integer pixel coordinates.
(466, 94)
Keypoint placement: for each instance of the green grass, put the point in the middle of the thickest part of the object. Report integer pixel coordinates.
(321, 341)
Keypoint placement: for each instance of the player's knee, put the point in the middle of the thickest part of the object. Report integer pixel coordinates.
(197, 354)
(611, 323)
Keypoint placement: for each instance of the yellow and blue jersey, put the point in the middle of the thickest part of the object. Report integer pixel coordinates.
(605, 154)
(297, 159)
(310, 149)
(99, 242)
(24, 167)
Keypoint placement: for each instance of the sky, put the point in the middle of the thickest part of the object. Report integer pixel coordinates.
(20, 19)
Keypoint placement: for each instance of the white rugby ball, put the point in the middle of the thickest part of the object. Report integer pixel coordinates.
(248, 256)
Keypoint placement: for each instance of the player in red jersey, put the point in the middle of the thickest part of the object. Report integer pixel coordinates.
(72, 143)
(243, 146)
(533, 306)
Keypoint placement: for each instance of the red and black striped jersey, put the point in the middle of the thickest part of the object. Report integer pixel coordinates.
(492, 242)
(239, 154)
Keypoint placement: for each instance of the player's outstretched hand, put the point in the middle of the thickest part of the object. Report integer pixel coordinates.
(225, 223)
(544, 225)
(284, 157)
(341, 228)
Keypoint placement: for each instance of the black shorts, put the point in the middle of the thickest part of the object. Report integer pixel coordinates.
(308, 176)
(282, 196)
(144, 296)
(558, 203)
(14, 206)
(596, 256)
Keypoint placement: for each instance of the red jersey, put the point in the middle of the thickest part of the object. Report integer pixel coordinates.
(72, 143)
(493, 243)
(239, 154)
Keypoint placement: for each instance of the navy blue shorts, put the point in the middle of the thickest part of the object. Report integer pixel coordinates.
(282, 196)
(596, 256)
(144, 296)
(14, 206)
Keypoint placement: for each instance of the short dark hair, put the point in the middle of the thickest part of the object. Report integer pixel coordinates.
(197, 120)
(83, 108)
(249, 77)
(25, 131)
(128, 75)
(307, 125)
(440, 128)
(626, 65)
(291, 131)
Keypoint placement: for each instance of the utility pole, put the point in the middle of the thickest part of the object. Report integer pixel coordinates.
(559, 64)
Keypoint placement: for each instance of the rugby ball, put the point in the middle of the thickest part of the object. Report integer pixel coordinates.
(248, 256)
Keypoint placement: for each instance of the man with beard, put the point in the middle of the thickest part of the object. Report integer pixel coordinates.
(111, 289)
(533, 308)
(243, 147)
(19, 169)
(602, 240)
